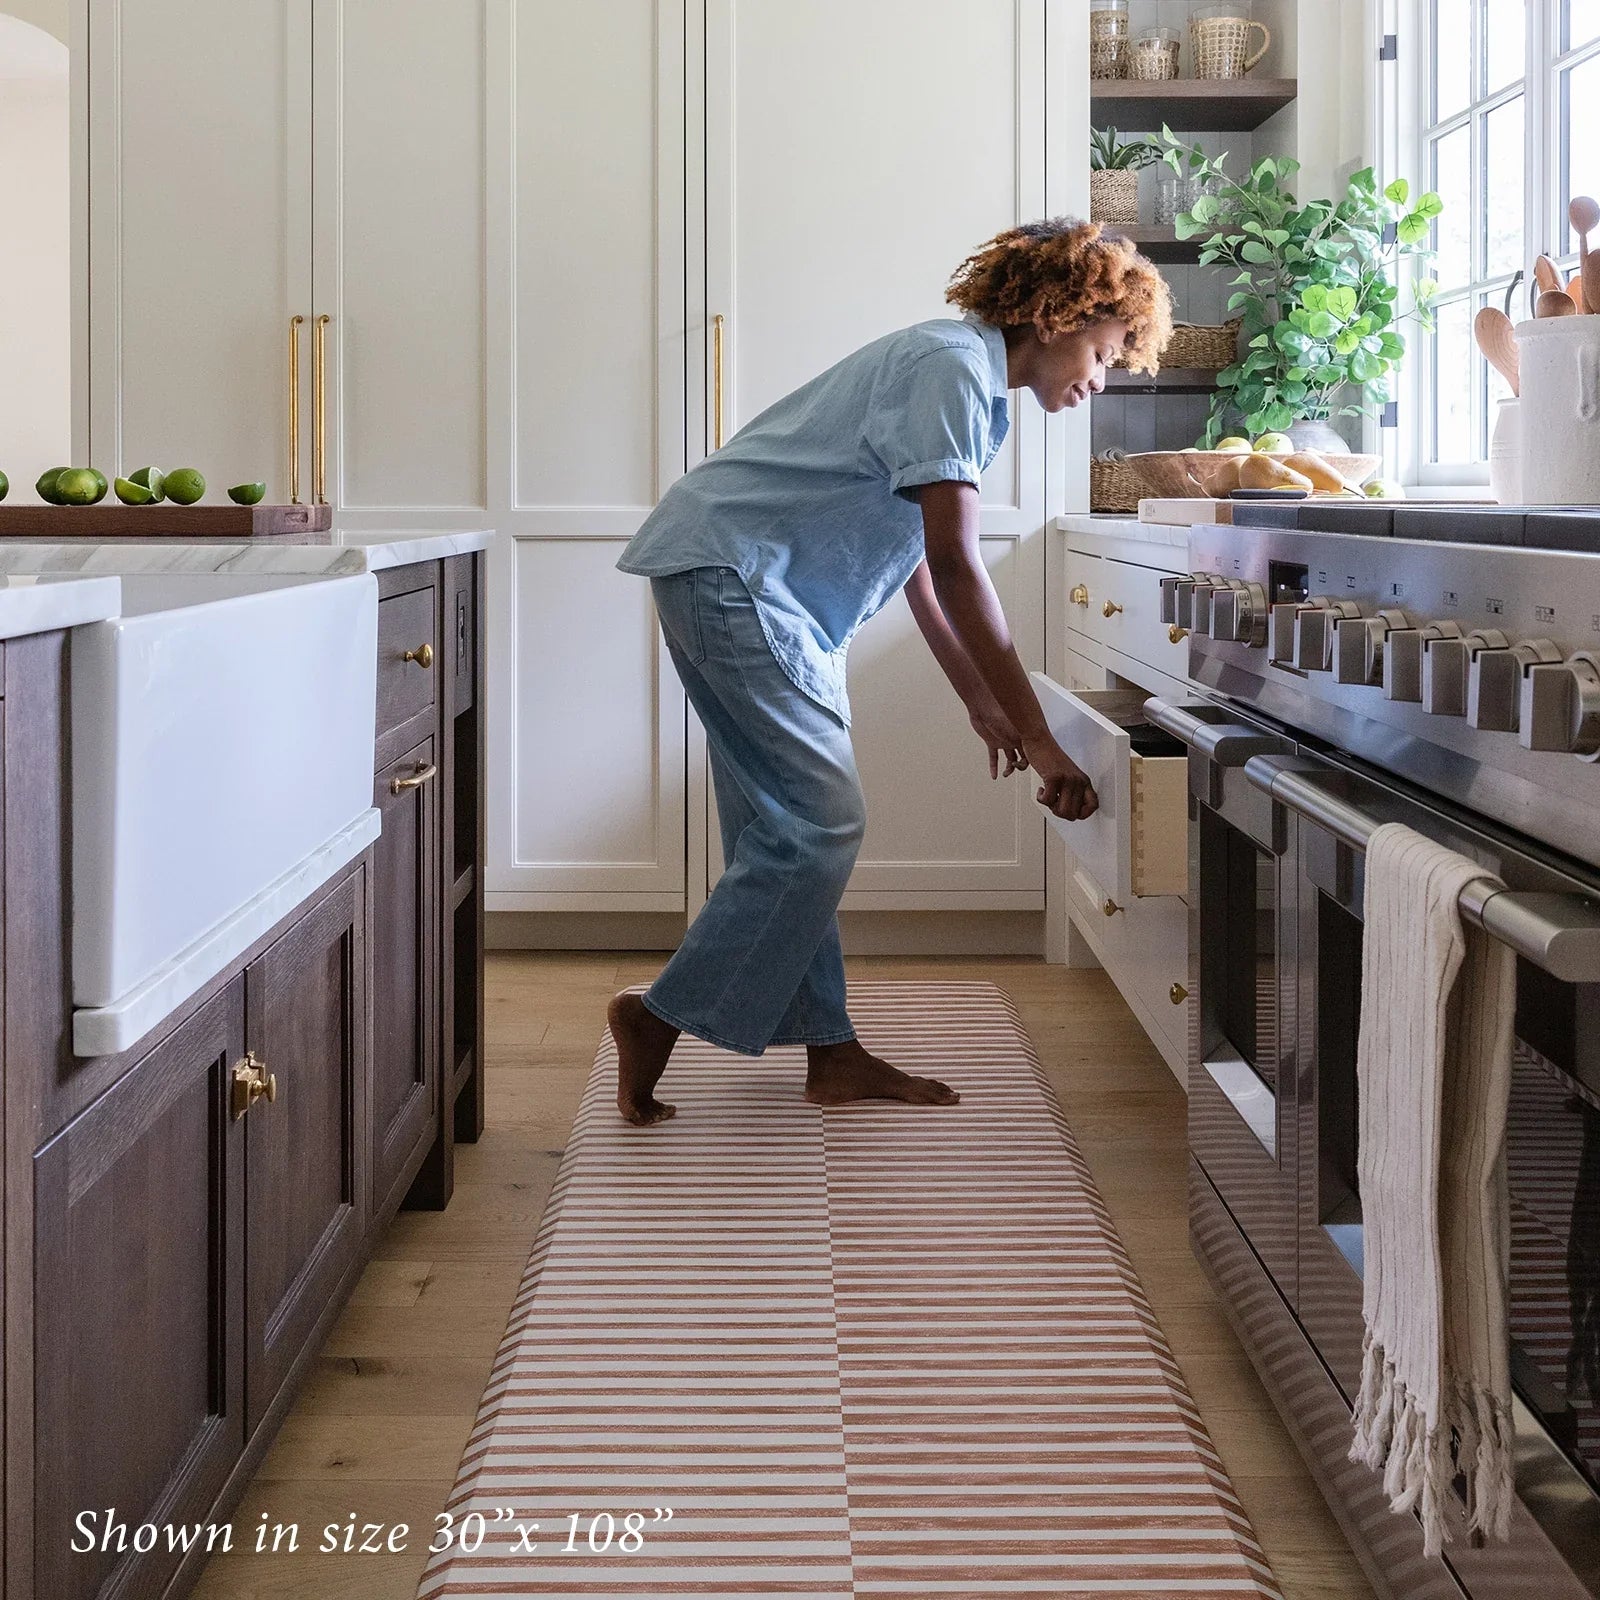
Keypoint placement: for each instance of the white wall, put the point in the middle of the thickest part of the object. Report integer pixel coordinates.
(35, 256)
(51, 15)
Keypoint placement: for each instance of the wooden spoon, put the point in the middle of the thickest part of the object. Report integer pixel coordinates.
(1498, 341)
(1556, 303)
(1584, 215)
(1546, 275)
(1591, 281)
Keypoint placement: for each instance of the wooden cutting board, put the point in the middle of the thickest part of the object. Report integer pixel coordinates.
(109, 521)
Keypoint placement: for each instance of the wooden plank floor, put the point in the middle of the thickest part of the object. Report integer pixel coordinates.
(379, 1428)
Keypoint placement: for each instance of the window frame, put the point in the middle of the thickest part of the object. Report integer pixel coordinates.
(1406, 98)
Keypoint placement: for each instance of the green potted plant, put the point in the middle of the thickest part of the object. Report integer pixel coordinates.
(1114, 175)
(1316, 286)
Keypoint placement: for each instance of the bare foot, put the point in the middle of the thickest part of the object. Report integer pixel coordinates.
(644, 1042)
(839, 1073)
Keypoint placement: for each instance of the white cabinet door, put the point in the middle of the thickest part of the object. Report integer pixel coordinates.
(582, 342)
(199, 234)
(856, 152)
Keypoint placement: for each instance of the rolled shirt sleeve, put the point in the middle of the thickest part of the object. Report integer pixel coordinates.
(933, 424)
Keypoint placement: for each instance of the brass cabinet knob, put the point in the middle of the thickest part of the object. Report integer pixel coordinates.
(1111, 908)
(424, 773)
(252, 1082)
(422, 655)
(1176, 635)
(1080, 594)
(1110, 609)
(1177, 994)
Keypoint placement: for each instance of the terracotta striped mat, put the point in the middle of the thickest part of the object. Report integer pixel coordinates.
(872, 1350)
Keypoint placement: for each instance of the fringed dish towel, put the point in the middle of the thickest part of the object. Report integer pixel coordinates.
(1434, 1074)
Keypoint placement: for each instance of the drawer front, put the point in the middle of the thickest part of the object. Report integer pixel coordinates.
(1143, 815)
(1085, 593)
(407, 623)
(1137, 629)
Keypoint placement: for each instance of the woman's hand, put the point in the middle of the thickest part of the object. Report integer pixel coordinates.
(993, 726)
(1064, 786)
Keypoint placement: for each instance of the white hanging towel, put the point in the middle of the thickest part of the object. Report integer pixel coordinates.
(1433, 1069)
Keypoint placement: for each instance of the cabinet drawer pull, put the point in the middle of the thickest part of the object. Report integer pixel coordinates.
(1111, 908)
(1176, 635)
(1079, 595)
(421, 776)
(1177, 994)
(422, 655)
(1110, 609)
(252, 1082)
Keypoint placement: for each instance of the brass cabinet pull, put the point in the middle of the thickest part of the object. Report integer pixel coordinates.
(1176, 635)
(1111, 908)
(1080, 594)
(426, 771)
(1110, 609)
(716, 381)
(422, 655)
(295, 324)
(1177, 994)
(319, 445)
(251, 1082)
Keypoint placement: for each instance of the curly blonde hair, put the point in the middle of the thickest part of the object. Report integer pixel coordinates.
(1060, 275)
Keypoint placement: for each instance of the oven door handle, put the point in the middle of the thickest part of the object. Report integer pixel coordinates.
(1559, 933)
(1228, 744)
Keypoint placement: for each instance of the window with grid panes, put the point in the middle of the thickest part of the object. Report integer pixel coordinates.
(1504, 114)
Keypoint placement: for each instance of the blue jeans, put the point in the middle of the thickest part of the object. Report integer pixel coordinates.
(761, 964)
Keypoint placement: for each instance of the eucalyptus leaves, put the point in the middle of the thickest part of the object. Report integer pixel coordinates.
(1315, 286)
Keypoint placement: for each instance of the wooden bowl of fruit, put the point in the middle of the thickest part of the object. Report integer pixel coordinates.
(1272, 463)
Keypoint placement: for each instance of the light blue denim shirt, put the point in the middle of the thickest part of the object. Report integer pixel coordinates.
(810, 502)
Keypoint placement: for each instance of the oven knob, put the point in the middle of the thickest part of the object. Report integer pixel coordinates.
(1205, 588)
(1446, 668)
(1281, 651)
(1313, 632)
(1239, 614)
(1358, 646)
(1169, 600)
(1402, 658)
(1494, 683)
(1561, 706)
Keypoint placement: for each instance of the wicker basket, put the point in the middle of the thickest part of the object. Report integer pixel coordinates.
(1203, 349)
(1220, 46)
(1114, 196)
(1113, 484)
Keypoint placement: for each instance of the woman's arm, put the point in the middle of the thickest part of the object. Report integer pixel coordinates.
(977, 625)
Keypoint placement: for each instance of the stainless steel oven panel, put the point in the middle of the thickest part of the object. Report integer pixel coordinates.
(1560, 1511)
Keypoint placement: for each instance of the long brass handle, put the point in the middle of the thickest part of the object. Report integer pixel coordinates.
(716, 381)
(1080, 594)
(422, 655)
(421, 776)
(320, 443)
(295, 324)
(251, 1082)
(1110, 609)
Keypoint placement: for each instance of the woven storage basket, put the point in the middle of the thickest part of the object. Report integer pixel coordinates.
(1220, 46)
(1113, 484)
(1114, 196)
(1201, 348)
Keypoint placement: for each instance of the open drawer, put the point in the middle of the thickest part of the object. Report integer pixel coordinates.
(1137, 843)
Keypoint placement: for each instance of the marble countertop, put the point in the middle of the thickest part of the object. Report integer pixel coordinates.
(28, 606)
(1112, 526)
(352, 550)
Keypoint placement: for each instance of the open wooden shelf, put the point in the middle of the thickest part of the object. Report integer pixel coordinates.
(1188, 105)
(1160, 244)
(1170, 380)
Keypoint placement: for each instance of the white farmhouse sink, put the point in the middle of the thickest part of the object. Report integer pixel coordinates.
(222, 731)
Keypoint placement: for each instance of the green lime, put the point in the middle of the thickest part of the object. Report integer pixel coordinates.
(99, 477)
(151, 478)
(5, 486)
(184, 485)
(46, 485)
(247, 494)
(79, 486)
(133, 494)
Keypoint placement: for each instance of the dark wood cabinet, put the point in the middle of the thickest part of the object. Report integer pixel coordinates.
(405, 959)
(139, 1299)
(306, 1207)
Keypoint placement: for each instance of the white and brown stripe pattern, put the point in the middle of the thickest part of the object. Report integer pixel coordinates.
(874, 1350)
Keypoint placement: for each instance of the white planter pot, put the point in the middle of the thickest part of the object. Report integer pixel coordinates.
(1560, 411)
(1505, 455)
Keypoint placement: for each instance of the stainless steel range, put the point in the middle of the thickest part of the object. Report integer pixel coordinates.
(1438, 667)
